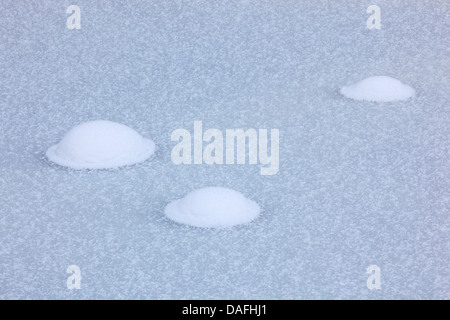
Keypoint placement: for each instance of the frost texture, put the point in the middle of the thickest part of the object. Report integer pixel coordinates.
(359, 183)
(213, 207)
(100, 144)
(378, 89)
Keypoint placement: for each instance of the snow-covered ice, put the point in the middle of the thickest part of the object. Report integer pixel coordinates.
(378, 89)
(100, 144)
(213, 207)
(356, 185)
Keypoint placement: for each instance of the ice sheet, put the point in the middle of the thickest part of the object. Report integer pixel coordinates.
(359, 183)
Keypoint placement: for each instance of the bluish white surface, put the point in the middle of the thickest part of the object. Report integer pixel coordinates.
(359, 183)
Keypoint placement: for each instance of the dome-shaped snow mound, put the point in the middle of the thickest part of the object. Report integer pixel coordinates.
(213, 207)
(379, 89)
(100, 144)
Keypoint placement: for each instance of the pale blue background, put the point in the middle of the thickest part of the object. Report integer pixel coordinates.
(359, 183)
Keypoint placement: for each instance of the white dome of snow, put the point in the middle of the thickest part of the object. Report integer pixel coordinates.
(379, 89)
(100, 144)
(213, 207)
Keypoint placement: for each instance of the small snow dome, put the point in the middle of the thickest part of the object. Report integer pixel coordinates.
(100, 144)
(213, 207)
(378, 89)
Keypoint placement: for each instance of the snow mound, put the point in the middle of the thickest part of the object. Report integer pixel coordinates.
(100, 144)
(379, 89)
(213, 207)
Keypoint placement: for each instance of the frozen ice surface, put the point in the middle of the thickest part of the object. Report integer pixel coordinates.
(357, 185)
(100, 144)
(213, 207)
(378, 89)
